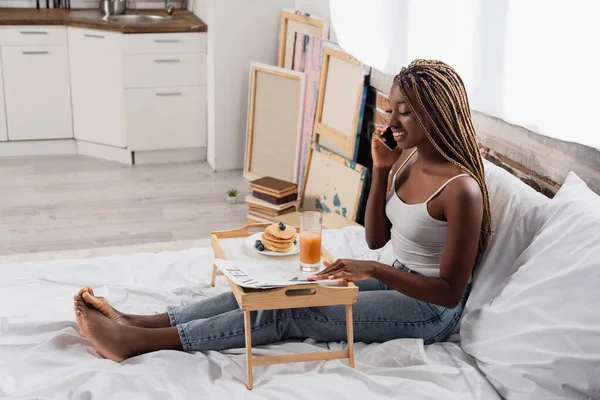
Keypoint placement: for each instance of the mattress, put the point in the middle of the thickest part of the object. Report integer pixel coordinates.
(43, 355)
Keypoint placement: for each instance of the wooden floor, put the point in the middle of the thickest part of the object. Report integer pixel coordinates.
(54, 203)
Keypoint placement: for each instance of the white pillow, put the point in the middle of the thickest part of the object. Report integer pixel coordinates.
(539, 337)
(517, 214)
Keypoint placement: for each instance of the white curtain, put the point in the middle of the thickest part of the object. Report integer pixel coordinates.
(533, 63)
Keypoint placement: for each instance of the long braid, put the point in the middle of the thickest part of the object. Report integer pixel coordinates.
(441, 93)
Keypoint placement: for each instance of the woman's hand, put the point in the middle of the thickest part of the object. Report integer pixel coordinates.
(382, 156)
(349, 270)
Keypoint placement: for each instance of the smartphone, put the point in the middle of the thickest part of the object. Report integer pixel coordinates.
(388, 139)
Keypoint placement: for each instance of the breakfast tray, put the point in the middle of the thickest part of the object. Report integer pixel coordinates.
(230, 245)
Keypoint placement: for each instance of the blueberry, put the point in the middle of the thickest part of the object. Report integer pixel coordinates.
(261, 247)
(257, 243)
(281, 226)
(295, 242)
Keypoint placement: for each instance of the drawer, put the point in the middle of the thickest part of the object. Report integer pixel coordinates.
(167, 118)
(164, 43)
(164, 70)
(93, 40)
(31, 35)
(37, 92)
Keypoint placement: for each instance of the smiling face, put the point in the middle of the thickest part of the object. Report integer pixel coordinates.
(408, 132)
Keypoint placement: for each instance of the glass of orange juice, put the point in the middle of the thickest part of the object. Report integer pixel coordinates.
(311, 225)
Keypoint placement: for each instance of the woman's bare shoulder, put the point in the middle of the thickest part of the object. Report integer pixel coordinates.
(464, 190)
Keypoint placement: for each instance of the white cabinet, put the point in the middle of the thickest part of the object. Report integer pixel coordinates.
(141, 92)
(3, 134)
(32, 35)
(97, 87)
(164, 76)
(160, 70)
(165, 118)
(37, 92)
(115, 93)
(164, 43)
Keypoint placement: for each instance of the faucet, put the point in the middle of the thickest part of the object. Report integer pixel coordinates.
(169, 7)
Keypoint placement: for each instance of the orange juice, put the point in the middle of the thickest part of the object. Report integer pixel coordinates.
(310, 249)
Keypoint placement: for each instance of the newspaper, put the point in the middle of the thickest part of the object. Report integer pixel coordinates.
(266, 274)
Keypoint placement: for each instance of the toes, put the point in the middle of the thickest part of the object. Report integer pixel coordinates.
(98, 303)
(88, 298)
(80, 304)
(85, 289)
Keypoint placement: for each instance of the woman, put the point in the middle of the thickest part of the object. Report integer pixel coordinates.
(428, 197)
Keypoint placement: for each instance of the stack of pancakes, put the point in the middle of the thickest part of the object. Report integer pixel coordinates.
(280, 240)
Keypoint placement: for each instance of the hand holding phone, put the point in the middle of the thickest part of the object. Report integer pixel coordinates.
(388, 139)
(384, 149)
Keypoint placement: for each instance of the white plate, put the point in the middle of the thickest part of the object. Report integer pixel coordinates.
(258, 236)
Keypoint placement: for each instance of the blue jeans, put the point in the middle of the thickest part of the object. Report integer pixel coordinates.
(380, 314)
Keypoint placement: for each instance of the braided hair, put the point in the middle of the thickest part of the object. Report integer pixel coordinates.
(441, 94)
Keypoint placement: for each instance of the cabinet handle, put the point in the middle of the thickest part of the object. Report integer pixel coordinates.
(172, 60)
(27, 53)
(168, 94)
(167, 41)
(33, 32)
(93, 36)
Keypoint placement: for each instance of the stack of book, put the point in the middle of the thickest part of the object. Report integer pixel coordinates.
(270, 198)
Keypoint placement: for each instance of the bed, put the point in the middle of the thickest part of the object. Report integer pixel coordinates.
(43, 355)
(529, 330)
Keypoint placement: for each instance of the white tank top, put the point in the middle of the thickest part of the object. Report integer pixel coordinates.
(418, 239)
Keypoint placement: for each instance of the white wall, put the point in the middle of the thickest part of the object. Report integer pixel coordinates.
(239, 32)
(516, 63)
(198, 7)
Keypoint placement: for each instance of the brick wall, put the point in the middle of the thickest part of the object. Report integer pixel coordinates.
(375, 107)
(540, 183)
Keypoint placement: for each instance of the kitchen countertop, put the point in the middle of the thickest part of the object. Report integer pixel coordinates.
(184, 21)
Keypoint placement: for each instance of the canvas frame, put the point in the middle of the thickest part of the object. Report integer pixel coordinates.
(362, 171)
(255, 69)
(347, 143)
(288, 15)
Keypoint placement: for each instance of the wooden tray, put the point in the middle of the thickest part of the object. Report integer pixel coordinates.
(312, 295)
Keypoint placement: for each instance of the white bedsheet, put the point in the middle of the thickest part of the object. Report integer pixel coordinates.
(43, 355)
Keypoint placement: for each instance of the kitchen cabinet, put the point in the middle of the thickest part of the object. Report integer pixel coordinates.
(165, 118)
(37, 92)
(140, 92)
(160, 70)
(164, 43)
(97, 87)
(115, 93)
(3, 134)
(32, 35)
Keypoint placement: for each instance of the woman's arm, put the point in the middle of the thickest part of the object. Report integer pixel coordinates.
(464, 212)
(377, 225)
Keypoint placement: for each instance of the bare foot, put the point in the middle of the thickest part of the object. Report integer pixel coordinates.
(101, 304)
(106, 335)
(78, 302)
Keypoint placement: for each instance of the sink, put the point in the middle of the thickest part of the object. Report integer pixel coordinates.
(139, 18)
(131, 18)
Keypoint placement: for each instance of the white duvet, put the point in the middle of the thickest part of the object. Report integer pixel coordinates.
(43, 355)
